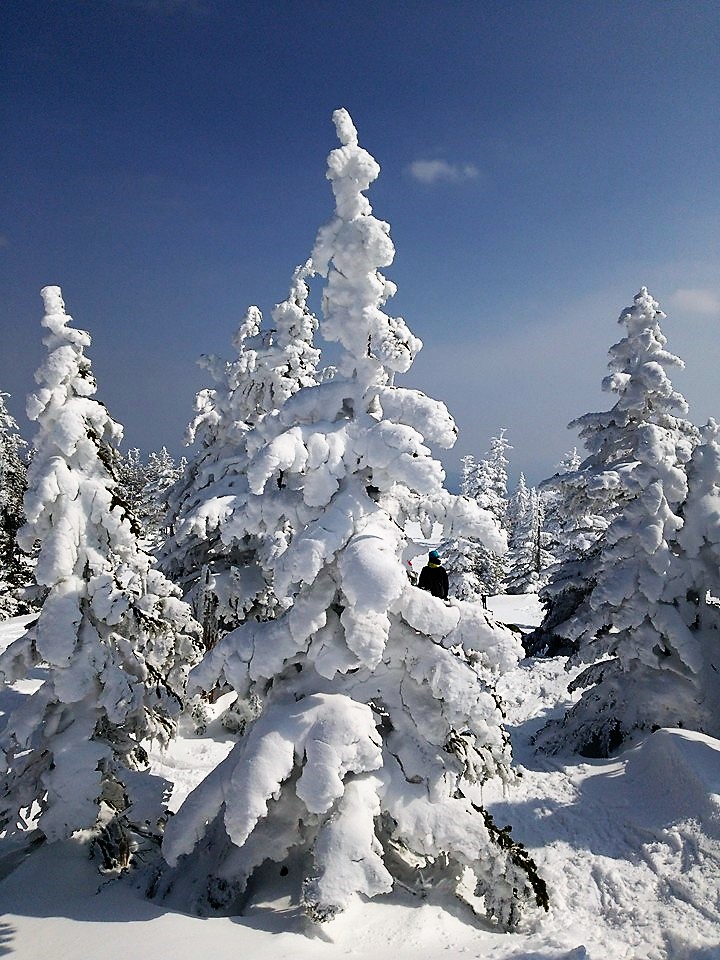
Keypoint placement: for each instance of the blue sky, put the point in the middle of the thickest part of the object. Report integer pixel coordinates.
(164, 162)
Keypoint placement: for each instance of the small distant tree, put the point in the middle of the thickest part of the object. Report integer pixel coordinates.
(474, 568)
(579, 507)
(367, 724)
(470, 564)
(114, 638)
(143, 487)
(641, 448)
(528, 558)
(15, 570)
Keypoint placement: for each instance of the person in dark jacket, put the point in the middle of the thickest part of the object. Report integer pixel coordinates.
(433, 577)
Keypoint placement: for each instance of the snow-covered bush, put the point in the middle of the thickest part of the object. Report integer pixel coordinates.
(115, 639)
(371, 711)
(639, 657)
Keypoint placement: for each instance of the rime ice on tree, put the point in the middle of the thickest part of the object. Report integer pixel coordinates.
(116, 640)
(367, 726)
(632, 640)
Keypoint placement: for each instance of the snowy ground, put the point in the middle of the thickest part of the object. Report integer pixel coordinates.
(630, 849)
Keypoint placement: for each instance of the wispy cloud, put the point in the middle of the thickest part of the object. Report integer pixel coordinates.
(431, 171)
(697, 300)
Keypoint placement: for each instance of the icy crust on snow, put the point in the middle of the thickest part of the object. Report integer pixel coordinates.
(116, 639)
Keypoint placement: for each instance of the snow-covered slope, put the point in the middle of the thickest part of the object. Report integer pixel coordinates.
(630, 848)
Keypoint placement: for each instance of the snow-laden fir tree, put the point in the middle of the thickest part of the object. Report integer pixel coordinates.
(143, 486)
(212, 552)
(623, 631)
(466, 559)
(559, 522)
(474, 568)
(160, 475)
(115, 640)
(518, 506)
(368, 729)
(15, 570)
(527, 558)
(692, 592)
(578, 512)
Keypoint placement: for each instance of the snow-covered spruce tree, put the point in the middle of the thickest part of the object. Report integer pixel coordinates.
(367, 725)
(15, 570)
(161, 474)
(465, 558)
(559, 522)
(142, 486)
(692, 590)
(130, 478)
(474, 568)
(528, 558)
(212, 552)
(638, 659)
(579, 507)
(116, 641)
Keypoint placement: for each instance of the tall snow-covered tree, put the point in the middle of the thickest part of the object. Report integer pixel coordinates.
(368, 729)
(213, 551)
(161, 474)
(692, 591)
(14, 564)
(518, 506)
(115, 639)
(641, 447)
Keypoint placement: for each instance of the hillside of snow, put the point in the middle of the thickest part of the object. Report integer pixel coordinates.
(629, 847)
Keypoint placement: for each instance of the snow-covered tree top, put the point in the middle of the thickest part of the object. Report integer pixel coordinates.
(349, 251)
(638, 362)
(66, 376)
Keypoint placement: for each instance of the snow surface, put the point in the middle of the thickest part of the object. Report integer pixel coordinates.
(629, 847)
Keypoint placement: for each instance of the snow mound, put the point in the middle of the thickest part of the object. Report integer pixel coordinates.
(675, 776)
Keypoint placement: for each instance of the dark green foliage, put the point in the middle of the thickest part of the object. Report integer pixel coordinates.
(519, 856)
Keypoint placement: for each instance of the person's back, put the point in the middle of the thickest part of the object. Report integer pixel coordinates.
(433, 577)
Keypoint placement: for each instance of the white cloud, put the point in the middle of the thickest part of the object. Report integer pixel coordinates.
(4, 242)
(697, 300)
(430, 171)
